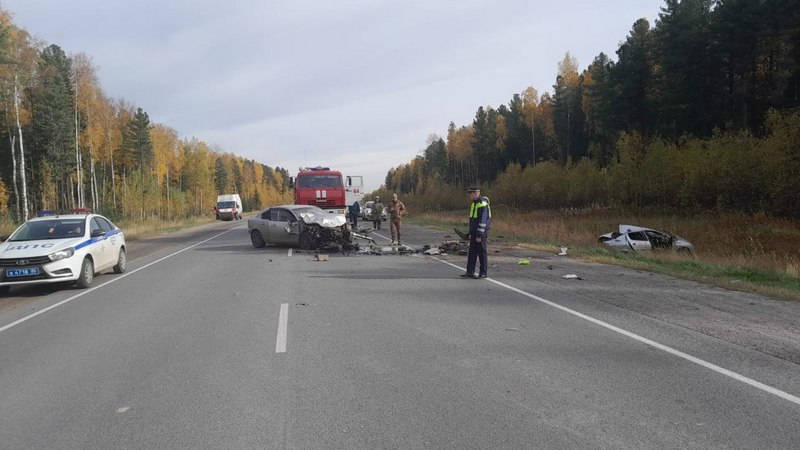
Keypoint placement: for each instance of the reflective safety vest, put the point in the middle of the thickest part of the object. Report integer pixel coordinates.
(480, 217)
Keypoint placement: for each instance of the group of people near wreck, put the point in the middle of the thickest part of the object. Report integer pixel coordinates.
(396, 211)
(480, 219)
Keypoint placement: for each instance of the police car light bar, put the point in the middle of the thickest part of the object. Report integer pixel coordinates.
(61, 212)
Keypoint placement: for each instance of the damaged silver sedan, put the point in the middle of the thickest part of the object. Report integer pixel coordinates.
(638, 239)
(306, 227)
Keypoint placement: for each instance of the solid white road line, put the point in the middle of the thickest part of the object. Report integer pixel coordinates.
(382, 236)
(283, 325)
(113, 280)
(389, 239)
(644, 340)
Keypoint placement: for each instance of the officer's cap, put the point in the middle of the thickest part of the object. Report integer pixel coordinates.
(473, 189)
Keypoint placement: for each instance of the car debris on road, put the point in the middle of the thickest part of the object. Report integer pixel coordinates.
(454, 247)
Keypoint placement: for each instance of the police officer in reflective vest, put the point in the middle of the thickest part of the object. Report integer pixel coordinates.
(480, 219)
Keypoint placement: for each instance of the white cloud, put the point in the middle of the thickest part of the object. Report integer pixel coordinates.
(357, 84)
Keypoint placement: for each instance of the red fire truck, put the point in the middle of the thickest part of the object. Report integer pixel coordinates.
(326, 188)
(320, 186)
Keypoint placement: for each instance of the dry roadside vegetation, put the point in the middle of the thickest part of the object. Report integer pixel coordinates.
(752, 253)
(141, 230)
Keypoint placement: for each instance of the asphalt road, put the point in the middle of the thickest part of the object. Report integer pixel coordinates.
(207, 342)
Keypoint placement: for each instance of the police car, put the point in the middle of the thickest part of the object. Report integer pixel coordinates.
(57, 247)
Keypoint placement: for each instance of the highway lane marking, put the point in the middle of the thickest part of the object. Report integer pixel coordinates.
(711, 366)
(113, 280)
(390, 239)
(283, 325)
(382, 236)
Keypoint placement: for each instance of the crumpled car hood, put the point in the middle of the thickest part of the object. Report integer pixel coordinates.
(323, 219)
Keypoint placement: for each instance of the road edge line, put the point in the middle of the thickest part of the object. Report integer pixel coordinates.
(708, 365)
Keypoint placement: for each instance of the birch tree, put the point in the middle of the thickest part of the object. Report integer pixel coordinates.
(16, 71)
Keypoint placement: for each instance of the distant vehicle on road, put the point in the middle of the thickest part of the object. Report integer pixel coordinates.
(366, 211)
(229, 207)
(321, 187)
(632, 238)
(61, 247)
(353, 189)
(327, 189)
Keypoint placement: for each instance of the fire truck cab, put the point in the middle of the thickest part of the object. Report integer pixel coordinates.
(322, 187)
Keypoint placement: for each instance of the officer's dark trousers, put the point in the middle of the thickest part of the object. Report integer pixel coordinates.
(477, 251)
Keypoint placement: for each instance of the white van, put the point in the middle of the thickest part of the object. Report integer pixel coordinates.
(353, 189)
(229, 207)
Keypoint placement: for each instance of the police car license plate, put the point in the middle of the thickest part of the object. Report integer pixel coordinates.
(26, 272)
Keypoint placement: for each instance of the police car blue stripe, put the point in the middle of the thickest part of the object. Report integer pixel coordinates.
(84, 244)
(98, 239)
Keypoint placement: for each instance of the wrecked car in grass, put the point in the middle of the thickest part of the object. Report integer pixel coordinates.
(638, 239)
(303, 226)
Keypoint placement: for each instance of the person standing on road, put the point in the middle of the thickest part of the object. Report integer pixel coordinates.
(355, 210)
(377, 213)
(480, 220)
(397, 209)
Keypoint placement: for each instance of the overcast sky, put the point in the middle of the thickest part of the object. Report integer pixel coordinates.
(357, 85)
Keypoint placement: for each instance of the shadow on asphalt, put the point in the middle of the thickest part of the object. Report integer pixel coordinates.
(36, 290)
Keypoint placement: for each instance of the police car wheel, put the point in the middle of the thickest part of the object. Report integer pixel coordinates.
(86, 276)
(122, 262)
(257, 239)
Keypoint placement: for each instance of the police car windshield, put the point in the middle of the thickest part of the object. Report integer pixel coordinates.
(49, 229)
(319, 181)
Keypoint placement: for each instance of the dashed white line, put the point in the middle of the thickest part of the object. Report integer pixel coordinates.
(113, 280)
(283, 328)
(289, 254)
(711, 366)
